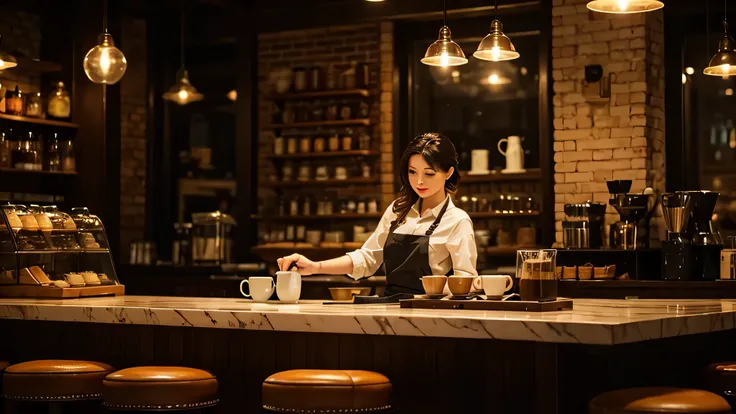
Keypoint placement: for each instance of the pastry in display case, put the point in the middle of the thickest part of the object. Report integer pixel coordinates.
(47, 253)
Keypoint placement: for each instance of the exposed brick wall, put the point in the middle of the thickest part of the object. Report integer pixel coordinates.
(21, 33)
(617, 138)
(133, 135)
(325, 46)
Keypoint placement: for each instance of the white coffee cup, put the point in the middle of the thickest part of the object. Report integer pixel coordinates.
(496, 285)
(261, 288)
(288, 286)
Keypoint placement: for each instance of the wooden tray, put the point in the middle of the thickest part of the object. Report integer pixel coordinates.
(479, 304)
(29, 291)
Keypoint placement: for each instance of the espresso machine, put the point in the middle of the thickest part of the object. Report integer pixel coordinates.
(583, 226)
(677, 250)
(706, 242)
(631, 232)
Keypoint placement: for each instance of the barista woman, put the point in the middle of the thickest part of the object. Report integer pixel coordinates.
(421, 233)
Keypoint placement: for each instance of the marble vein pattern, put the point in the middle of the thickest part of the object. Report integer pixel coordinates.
(592, 321)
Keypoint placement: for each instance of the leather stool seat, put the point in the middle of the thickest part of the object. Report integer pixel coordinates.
(159, 388)
(54, 380)
(3, 365)
(322, 391)
(721, 378)
(647, 400)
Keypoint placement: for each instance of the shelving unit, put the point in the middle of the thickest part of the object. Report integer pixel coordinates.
(32, 172)
(326, 154)
(493, 215)
(320, 94)
(310, 124)
(347, 216)
(316, 183)
(531, 174)
(38, 121)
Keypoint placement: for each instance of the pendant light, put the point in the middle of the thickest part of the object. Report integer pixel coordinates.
(496, 46)
(105, 63)
(444, 51)
(624, 6)
(723, 63)
(7, 60)
(182, 92)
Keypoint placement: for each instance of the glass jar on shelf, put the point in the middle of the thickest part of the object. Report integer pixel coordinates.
(68, 157)
(14, 102)
(59, 104)
(6, 149)
(34, 107)
(319, 144)
(364, 141)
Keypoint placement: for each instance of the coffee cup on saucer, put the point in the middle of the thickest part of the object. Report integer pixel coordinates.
(494, 286)
(460, 285)
(434, 285)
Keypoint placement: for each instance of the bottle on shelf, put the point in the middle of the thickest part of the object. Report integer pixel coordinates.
(6, 149)
(53, 154)
(59, 104)
(34, 107)
(68, 158)
(14, 102)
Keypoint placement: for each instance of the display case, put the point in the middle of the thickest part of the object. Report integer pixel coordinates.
(47, 253)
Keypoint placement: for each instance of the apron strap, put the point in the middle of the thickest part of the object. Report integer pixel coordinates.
(436, 223)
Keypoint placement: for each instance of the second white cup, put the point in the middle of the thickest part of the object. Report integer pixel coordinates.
(261, 288)
(288, 286)
(496, 285)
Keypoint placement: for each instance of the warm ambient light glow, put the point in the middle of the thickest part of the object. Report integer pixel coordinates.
(624, 6)
(493, 79)
(684, 79)
(6, 60)
(105, 63)
(183, 92)
(232, 95)
(689, 70)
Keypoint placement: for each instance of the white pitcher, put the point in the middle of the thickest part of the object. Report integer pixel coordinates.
(514, 155)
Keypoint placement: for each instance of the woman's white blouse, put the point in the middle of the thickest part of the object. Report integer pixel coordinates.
(451, 246)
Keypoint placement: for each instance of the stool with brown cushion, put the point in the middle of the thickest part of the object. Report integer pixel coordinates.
(3, 365)
(658, 400)
(159, 388)
(55, 383)
(322, 391)
(720, 378)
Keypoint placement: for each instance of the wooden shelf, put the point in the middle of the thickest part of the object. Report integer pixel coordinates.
(346, 216)
(339, 122)
(326, 154)
(54, 173)
(507, 250)
(531, 174)
(26, 64)
(318, 94)
(314, 183)
(493, 214)
(38, 121)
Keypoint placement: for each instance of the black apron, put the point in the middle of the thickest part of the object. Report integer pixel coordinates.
(406, 258)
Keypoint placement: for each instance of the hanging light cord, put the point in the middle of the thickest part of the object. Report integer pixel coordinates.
(444, 14)
(181, 27)
(104, 16)
(495, 9)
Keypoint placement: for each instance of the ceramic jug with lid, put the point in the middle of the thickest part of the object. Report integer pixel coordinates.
(514, 155)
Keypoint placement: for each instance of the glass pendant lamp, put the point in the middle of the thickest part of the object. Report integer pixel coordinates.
(105, 63)
(182, 92)
(444, 51)
(723, 63)
(624, 6)
(7, 60)
(496, 46)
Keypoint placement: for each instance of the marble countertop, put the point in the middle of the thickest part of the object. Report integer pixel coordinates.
(592, 321)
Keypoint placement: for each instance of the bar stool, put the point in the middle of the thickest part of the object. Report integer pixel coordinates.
(658, 400)
(3, 365)
(59, 384)
(720, 378)
(159, 388)
(318, 391)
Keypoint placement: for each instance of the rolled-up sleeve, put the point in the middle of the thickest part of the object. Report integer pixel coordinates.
(461, 246)
(369, 257)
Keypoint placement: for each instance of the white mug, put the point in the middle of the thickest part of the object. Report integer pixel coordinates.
(261, 288)
(496, 285)
(288, 286)
(514, 154)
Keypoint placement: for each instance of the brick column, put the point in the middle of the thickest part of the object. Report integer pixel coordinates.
(386, 115)
(617, 138)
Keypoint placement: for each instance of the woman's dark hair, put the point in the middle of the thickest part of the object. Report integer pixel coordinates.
(440, 154)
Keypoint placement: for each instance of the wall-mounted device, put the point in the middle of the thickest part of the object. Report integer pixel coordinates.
(596, 83)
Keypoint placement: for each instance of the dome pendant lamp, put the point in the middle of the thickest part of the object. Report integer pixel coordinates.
(444, 51)
(105, 63)
(624, 6)
(183, 92)
(496, 46)
(723, 63)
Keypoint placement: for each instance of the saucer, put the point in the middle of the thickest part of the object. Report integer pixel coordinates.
(499, 297)
(486, 172)
(439, 296)
(505, 171)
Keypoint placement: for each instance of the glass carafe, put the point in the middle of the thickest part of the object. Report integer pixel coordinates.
(535, 275)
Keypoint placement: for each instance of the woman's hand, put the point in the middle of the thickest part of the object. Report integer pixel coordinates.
(304, 266)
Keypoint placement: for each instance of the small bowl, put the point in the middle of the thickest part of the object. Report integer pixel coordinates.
(434, 285)
(347, 293)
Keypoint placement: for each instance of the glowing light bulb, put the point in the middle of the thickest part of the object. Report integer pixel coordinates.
(623, 4)
(444, 60)
(183, 94)
(689, 70)
(725, 68)
(684, 79)
(493, 79)
(2, 63)
(495, 52)
(105, 63)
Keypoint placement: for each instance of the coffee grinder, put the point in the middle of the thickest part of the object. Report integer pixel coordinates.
(583, 226)
(632, 230)
(706, 242)
(677, 249)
